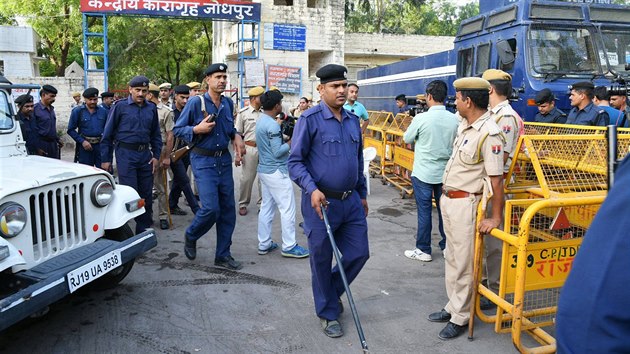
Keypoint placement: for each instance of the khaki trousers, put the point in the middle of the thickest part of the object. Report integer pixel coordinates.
(248, 175)
(162, 197)
(459, 225)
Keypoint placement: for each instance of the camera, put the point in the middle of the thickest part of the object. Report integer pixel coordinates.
(417, 105)
(288, 124)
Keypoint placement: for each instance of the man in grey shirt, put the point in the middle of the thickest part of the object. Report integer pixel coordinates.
(277, 189)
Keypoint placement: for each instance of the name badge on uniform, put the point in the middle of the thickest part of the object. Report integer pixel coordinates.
(496, 149)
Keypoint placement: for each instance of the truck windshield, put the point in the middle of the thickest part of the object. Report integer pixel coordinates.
(617, 46)
(6, 120)
(561, 52)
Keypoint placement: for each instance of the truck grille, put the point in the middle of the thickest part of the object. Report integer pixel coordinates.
(57, 220)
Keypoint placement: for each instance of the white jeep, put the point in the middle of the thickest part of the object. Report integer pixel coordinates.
(62, 225)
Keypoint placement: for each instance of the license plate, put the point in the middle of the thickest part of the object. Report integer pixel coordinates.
(93, 270)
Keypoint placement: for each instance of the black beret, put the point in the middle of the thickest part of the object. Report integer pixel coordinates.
(332, 72)
(583, 85)
(215, 68)
(269, 99)
(400, 97)
(107, 94)
(90, 92)
(139, 81)
(49, 89)
(182, 90)
(22, 99)
(544, 96)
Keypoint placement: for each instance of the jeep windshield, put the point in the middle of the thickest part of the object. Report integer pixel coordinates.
(558, 52)
(617, 50)
(6, 119)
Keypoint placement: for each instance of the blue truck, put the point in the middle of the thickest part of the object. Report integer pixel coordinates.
(542, 44)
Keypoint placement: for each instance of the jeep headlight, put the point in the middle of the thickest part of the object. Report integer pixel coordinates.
(102, 193)
(12, 219)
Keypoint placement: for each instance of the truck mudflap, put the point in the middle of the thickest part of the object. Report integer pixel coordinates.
(61, 275)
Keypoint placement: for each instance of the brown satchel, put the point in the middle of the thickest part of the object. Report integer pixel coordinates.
(183, 151)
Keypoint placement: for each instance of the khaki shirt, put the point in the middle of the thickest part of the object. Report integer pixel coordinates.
(165, 118)
(246, 122)
(477, 153)
(510, 124)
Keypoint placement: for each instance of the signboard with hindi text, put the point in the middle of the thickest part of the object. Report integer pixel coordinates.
(286, 78)
(284, 37)
(254, 72)
(215, 9)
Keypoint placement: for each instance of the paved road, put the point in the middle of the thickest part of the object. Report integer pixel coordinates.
(168, 304)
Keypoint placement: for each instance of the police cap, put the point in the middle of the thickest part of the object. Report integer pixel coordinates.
(49, 89)
(90, 92)
(494, 74)
(139, 81)
(107, 94)
(583, 85)
(154, 88)
(273, 88)
(332, 72)
(23, 99)
(544, 96)
(194, 85)
(215, 68)
(76, 94)
(471, 84)
(401, 97)
(165, 86)
(255, 91)
(270, 99)
(182, 90)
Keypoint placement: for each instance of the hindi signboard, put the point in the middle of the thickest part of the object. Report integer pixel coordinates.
(216, 9)
(254, 72)
(284, 37)
(286, 78)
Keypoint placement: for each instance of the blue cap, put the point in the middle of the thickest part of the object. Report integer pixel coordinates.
(139, 81)
(90, 92)
(49, 89)
(215, 68)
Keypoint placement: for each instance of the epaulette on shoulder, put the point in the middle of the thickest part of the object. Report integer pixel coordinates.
(243, 109)
(311, 112)
(493, 128)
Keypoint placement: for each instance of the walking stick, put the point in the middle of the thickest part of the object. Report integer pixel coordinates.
(344, 280)
(476, 272)
(168, 207)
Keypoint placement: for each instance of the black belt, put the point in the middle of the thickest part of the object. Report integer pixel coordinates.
(92, 139)
(210, 153)
(135, 147)
(335, 194)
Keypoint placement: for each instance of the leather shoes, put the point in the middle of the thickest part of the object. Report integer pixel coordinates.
(227, 262)
(451, 331)
(242, 211)
(486, 304)
(190, 249)
(441, 316)
(178, 211)
(331, 328)
(164, 224)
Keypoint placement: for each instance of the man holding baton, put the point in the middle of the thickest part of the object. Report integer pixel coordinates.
(326, 161)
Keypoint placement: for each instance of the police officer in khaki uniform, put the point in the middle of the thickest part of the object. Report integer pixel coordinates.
(165, 94)
(512, 127)
(166, 122)
(474, 169)
(195, 88)
(246, 127)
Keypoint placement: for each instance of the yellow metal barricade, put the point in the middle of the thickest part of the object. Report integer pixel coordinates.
(399, 155)
(375, 137)
(556, 185)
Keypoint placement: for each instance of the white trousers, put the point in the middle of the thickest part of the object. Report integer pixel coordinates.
(277, 191)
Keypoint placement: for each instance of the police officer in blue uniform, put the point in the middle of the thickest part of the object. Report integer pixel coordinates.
(133, 131)
(48, 143)
(212, 164)
(584, 112)
(27, 122)
(547, 110)
(89, 119)
(107, 99)
(593, 309)
(326, 161)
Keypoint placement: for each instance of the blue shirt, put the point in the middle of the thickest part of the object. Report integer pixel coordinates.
(590, 115)
(220, 136)
(45, 121)
(358, 109)
(326, 152)
(131, 123)
(555, 116)
(88, 124)
(433, 133)
(615, 115)
(106, 107)
(272, 151)
(29, 132)
(593, 313)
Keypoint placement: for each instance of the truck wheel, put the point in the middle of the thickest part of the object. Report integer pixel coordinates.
(114, 277)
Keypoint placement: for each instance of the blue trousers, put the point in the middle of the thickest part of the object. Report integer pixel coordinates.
(50, 148)
(349, 228)
(92, 158)
(424, 192)
(181, 183)
(135, 171)
(216, 192)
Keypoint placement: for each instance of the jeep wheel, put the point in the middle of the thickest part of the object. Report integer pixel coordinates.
(114, 277)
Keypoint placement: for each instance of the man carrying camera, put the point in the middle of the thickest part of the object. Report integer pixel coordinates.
(277, 189)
